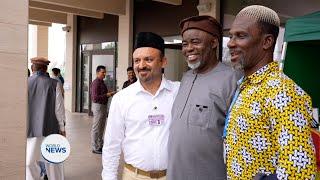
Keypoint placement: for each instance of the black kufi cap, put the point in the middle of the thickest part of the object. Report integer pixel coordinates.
(149, 39)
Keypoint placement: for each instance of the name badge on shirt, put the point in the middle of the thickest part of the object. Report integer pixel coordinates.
(156, 120)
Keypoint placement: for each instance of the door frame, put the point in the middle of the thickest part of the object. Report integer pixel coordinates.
(90, 53)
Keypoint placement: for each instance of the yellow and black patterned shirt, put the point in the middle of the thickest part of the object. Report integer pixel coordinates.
(269, 128)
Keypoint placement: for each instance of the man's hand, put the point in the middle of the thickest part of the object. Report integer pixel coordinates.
(109, 94)
(63, 133)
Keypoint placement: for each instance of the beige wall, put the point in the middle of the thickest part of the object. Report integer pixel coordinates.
(125, 44)
(176, 65)
(42, 41)
(13, 76)
(214, 8)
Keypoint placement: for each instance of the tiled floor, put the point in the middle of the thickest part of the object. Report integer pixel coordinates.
(82, 164)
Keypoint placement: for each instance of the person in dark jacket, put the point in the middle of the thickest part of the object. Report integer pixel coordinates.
(131, 78)
(46, 116)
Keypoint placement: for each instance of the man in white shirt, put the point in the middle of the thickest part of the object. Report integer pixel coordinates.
(56, 75)
(140, 117)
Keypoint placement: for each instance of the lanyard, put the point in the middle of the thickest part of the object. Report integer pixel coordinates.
(235, 97)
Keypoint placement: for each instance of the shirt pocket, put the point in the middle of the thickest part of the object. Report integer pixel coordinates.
(199, 115)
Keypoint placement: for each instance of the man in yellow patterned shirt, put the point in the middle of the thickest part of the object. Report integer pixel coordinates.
(268, 126)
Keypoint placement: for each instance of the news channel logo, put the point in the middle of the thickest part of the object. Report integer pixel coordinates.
(55, 148)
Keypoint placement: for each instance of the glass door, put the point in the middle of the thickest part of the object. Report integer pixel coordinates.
(93, 55)
(105, 58)
(86, 80)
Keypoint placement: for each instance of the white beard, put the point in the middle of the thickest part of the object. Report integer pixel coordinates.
(241, 62)
(238, 64)
(195, 65)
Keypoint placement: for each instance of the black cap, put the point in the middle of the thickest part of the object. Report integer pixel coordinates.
(149, 39)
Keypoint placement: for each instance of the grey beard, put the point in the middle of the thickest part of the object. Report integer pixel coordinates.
(239, 65)
(194, 66)
(242, 62)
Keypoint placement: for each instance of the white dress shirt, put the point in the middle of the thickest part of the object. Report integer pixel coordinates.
(59, 107)
(56, 78)
(144, 146)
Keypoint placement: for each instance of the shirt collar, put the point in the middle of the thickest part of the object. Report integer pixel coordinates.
(240, 81)
(261, 73)
(164, 85)
(39, 72)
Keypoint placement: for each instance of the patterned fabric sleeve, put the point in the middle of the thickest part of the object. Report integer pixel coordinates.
(291, 109)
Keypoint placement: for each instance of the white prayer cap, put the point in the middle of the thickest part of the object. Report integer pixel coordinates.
(261, 14)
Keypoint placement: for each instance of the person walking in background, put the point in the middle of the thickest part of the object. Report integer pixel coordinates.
(55, 75)
(99, 97)
(131, 78)
(46, 115)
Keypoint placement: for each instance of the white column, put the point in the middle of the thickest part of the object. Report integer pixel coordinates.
(42, 41)
(70, 73)
(210, 8)
(13, 91)
(125, 33)
(32, 42)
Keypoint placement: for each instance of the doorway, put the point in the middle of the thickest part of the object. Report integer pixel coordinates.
(177, 65)
(92, 56)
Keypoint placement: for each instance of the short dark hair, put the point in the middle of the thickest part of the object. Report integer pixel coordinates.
(129, 69)
(268, 28)
(55, 71)
(100, 67)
